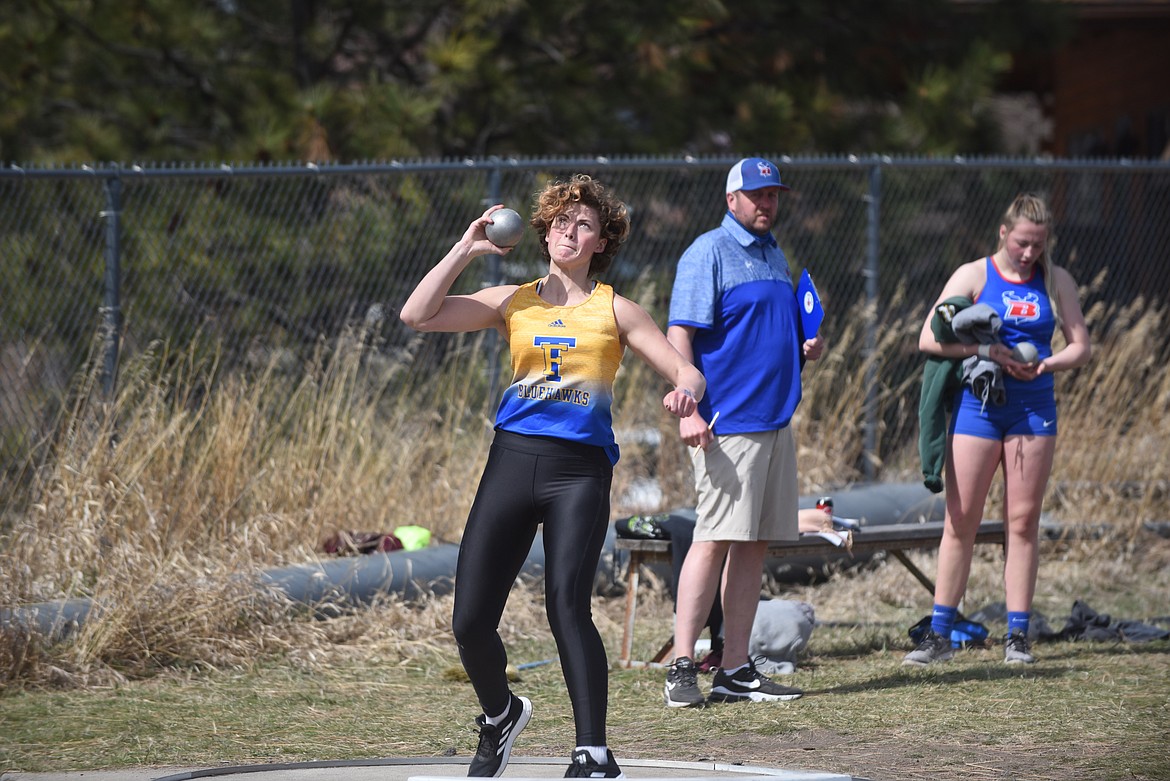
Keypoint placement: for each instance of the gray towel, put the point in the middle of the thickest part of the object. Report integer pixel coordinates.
(985, 377)
(977, 324)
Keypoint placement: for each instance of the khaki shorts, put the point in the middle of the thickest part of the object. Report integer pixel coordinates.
(747, 487)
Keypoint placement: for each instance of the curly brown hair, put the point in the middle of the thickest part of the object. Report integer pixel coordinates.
(559, 194)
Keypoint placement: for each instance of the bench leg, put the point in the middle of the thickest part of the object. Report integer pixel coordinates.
(635, 565)
(917, 573)
(663, 651)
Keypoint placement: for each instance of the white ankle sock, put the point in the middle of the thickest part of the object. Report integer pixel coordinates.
(495, 721)
(600, 754)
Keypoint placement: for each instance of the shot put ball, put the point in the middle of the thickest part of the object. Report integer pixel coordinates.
(506, 228)
(1025, 352)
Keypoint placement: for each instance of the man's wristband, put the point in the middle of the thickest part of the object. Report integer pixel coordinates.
(985, 351)
(686, 392)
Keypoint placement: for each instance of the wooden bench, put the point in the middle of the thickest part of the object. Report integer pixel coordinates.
(894, 539)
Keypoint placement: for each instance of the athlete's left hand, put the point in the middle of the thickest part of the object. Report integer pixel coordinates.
(679, 403)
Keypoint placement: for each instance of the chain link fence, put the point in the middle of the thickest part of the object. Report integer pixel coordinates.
(103, 262)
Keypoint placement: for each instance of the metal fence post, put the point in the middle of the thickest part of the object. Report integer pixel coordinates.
(873, 248)
(111, 310)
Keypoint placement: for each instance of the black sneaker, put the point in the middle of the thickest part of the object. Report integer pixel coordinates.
(1017, 650)
(583, 766)
(933, 648)
(748, 683)
(495, 741)
(682, 685)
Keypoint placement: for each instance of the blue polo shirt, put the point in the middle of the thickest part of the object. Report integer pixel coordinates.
(735, 289)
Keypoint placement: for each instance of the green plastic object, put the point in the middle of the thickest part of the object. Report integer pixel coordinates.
(413, 537)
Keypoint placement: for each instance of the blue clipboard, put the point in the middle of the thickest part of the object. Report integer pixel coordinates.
(811, 311)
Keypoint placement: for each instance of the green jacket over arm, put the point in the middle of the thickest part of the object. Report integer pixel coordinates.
(941, 379)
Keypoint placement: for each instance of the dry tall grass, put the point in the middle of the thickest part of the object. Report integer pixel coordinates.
(160, 506)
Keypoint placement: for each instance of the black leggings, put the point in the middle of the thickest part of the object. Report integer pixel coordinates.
(529, 481)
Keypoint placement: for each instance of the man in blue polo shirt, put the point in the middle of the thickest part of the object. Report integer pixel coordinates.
(734, 314)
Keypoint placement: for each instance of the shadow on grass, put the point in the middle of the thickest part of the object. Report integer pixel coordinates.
(1074, 650)
(1055, 661)
(915, 677)
(881, 639)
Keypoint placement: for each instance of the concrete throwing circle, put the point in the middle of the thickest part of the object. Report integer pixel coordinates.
(519, 769)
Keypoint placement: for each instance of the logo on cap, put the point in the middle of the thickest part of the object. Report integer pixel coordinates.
(753, 173)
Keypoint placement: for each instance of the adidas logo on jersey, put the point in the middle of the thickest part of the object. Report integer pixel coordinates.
(558, 323)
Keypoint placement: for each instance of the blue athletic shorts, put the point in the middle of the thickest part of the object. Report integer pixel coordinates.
(1023, 414)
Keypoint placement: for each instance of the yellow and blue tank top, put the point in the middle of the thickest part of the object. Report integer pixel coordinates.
(564, 360)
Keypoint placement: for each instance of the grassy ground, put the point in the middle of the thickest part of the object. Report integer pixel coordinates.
(158, 505)
(384, 682)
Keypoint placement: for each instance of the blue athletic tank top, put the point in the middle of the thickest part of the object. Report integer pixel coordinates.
(1027, 316)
